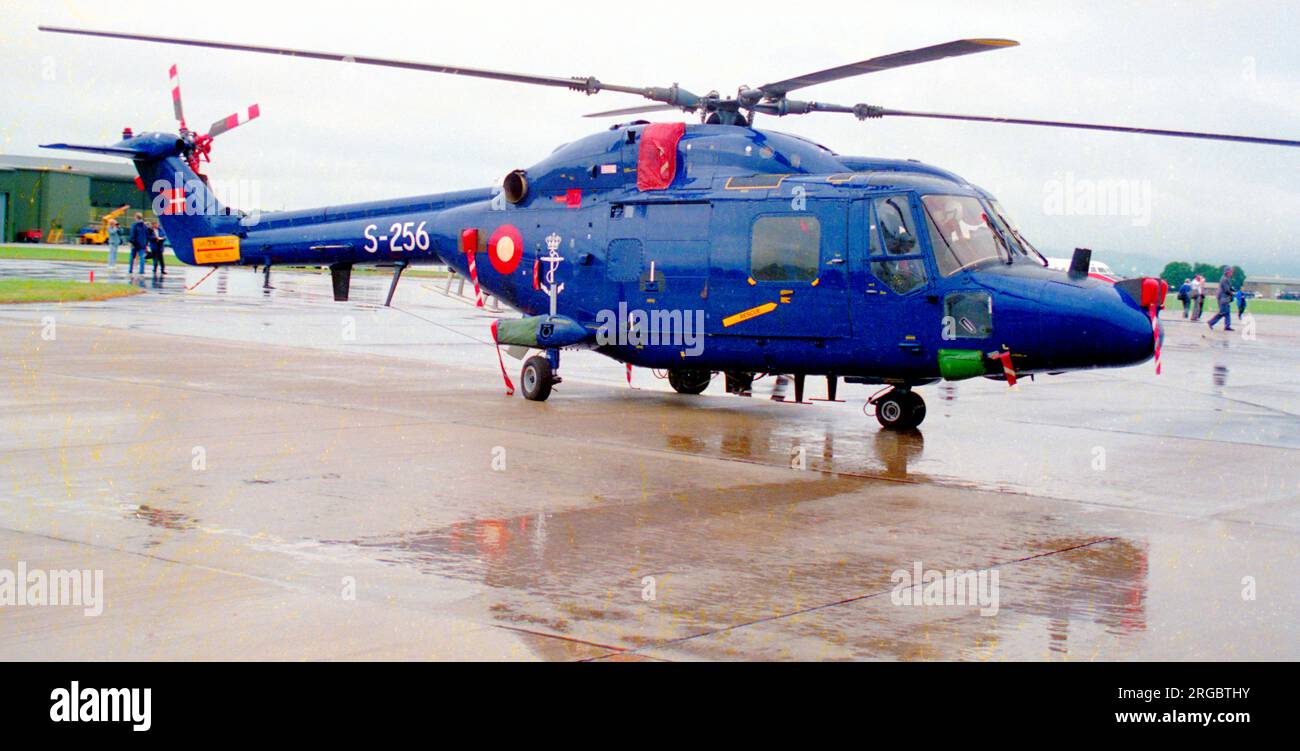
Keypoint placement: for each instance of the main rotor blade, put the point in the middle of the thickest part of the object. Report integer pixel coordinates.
(587, 84)
(885, 62)
(633, 110)
(1089, 126)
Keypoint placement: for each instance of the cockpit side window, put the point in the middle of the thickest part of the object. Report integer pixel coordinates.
(894, 217)
(895, 254)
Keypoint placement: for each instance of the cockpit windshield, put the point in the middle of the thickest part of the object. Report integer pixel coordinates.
(1012, 233)
(961, 233)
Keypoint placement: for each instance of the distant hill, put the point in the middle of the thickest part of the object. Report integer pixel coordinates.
(1130, 264)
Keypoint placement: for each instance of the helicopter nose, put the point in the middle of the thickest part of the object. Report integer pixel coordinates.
(1094, 325)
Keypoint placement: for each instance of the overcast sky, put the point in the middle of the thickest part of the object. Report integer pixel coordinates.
(334, 133)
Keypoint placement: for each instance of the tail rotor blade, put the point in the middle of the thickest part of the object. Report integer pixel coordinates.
(176, 98)
(233, 121)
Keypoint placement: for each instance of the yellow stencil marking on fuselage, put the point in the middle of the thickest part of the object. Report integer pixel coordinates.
(218, 249)
(745, 315)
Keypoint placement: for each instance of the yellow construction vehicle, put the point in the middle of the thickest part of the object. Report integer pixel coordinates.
(97, 232)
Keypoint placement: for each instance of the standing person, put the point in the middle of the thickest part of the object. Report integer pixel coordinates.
(114, 242)
(1185, 296)
(1241, 303)
(1225, 301)
(1198, 296)
(139, 243)
(156, 239)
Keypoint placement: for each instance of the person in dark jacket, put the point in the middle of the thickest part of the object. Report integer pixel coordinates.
(1185, 296)
(156, 239)
(1225, 301)
(139, 243)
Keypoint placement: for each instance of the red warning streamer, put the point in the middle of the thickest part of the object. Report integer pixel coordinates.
(510, 387)
(1155, 333)
(1007, 369)
(204, 279)
(473, 276)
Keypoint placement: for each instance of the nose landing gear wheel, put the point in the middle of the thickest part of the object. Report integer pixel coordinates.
(900, 410)
(689, 381)
(536, 379)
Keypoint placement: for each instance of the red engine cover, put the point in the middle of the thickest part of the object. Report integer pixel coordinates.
(656, 163)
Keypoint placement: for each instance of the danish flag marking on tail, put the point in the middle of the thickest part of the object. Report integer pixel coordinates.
(174, 201)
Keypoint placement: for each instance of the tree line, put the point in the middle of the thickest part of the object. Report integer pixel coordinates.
(1177, 271)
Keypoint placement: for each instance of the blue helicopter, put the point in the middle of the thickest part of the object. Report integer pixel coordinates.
(706, 248)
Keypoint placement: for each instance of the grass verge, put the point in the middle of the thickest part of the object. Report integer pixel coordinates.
(1174, 308)
(50, 253)
(55, 290)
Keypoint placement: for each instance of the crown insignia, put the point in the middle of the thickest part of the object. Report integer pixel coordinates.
(553, 241)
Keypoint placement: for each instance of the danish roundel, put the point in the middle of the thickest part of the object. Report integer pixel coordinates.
(506, 249)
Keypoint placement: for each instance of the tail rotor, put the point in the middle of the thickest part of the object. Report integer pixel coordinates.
(198, 147)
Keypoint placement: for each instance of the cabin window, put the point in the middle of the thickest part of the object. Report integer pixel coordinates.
(895, 256)
(785, 249)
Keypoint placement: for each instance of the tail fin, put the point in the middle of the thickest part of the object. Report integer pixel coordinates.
(185, 204)
(190, 212)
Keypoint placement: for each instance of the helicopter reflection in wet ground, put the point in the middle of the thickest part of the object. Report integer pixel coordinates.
(584, 575)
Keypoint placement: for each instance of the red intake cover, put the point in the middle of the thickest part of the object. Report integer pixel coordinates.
(469, 240)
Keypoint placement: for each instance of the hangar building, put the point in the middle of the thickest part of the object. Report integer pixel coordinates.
(39, 192)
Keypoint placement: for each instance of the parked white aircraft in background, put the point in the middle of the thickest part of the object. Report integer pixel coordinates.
(1095, 269)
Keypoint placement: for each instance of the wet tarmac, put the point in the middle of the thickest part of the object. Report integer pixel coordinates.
(268, 474)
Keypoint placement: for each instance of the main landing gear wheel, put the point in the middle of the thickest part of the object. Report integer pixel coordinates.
(900, 410)
(689, 381)
(536, 379)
